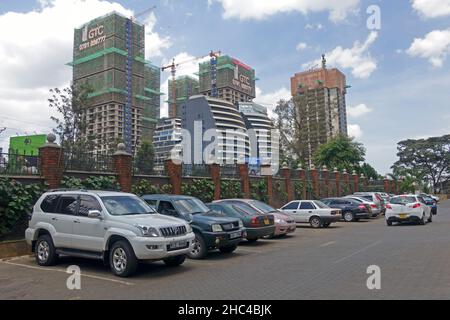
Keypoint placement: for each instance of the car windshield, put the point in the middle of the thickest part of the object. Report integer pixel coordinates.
(321, 205)
(191, 206)
(245, 209)
(428, 199)
(126, 205)
(263, 207)
(403, 200)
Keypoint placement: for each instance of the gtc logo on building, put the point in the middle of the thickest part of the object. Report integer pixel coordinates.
(92, 37)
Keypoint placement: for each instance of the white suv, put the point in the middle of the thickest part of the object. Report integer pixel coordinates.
(118, 228)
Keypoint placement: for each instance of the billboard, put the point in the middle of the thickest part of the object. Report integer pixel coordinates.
(27, 145)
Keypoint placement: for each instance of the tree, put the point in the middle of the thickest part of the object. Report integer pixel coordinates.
(70, 123)
(145, 158)
(340, 152)
(368, 171)
(427, 159)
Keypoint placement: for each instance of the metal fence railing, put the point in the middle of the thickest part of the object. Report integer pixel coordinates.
(89, 162)
(14, 163)
(229, 171)
(196, 170)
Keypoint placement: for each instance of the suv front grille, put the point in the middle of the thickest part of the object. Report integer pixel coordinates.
(230, 226)
(173, 231)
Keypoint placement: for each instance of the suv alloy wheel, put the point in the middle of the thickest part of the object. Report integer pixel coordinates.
(198, 250)
(45, 251)
(348, 216)
(122, 259)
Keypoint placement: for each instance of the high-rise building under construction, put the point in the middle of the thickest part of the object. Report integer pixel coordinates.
(124, 102)
(319, 99)
(185, 86)
(230, 80)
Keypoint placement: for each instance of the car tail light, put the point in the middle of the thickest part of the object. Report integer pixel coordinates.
(254, 222)
(374, 206)
(416, 205)
(361, 206)
(388, 206)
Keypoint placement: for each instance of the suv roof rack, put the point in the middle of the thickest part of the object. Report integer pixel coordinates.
(67, 189)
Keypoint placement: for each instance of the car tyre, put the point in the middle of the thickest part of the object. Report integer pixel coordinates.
(326, 225)
(389, 223)
(315, 222)
(198, 250)
(228, 249)
(423, 221)
(175, 261)
(122, 260)
(430, 219)
(252, 240)
(45, 251)
(349, 216)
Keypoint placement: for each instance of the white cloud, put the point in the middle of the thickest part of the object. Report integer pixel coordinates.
(34, 48)
(318, 26)
(258, 9)
(358, 111)
(301, 46)
(435, 47)
(432, 8)
(357, 58)
(355, 131)
(271, 99)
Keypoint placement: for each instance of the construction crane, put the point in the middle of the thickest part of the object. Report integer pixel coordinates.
(142, 13)
(173, 70)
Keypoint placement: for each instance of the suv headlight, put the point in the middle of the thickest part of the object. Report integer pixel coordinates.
(188, 228)
(216, 228)
(279, 221)
(148, 231)
(241, 224)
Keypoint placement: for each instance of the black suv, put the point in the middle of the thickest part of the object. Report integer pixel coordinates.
(213, 230)
(352, 210)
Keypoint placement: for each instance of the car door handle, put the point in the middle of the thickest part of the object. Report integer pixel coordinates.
(54, 219)
(76, 221)
(309, 211)
(294, 212)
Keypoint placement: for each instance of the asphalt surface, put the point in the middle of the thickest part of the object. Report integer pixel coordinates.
(311, 264)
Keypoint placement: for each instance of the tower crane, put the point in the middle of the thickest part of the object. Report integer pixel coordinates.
(173, 70)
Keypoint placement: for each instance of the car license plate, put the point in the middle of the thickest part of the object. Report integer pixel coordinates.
(235, 235)
(403, 216)
(177, 245)
(266, 222)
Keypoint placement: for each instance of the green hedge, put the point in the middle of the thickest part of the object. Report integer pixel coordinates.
(199, 188)
(91, 183)
(16, 202)
(144, 187)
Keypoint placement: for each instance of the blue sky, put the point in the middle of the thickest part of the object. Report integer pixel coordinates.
(400, 86)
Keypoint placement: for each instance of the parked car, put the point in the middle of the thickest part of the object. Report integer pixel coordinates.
(435, 198)
(316, 213)
(213, 230)
(429, 201)
(284, 223)
(375, 209)
(257, 224)
(352, 210)
(118, 228)
(374, 197)
(408, 208)
(386, 197)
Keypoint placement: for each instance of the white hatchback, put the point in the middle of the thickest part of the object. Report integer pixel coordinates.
(314, 212)
(408, 208)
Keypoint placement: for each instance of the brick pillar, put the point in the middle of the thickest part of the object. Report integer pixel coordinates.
(245, 180)
(175, 175)
(326, 178)
(123, 162)
(215, 175)
(267, 172)
(286, 172)
(315, 181)
(51, 164)
(393, 185)
(355, 181)
(386, 185)
(337, 177)
(302, 176)
(346, 179)
(363, 182)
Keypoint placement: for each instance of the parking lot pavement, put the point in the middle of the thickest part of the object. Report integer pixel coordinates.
(311, 264)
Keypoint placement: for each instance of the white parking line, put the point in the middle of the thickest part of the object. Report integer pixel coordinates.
(64, 271)
(248, 250)
(359, 251)
(327, 244)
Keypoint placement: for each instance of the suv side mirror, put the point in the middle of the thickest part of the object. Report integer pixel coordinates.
(95, 214)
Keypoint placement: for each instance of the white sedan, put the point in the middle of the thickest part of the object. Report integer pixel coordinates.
(316, 213)
(408, 208)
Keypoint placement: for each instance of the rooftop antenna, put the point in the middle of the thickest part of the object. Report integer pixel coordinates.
(324, 62)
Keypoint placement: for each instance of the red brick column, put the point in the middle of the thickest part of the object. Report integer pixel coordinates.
(286, 172)
(51, 164)
(326, 178)
(215, 175)
(386, 185)
(245, 180)
(364, 182)
(123, 162)
(337, 177)
(346, 179)
(315, 181)
(174, 172)
(267, 172)
(393, 185)
(355, 181)
(302, 176)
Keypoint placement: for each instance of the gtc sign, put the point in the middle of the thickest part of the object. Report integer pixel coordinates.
(92, 37)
